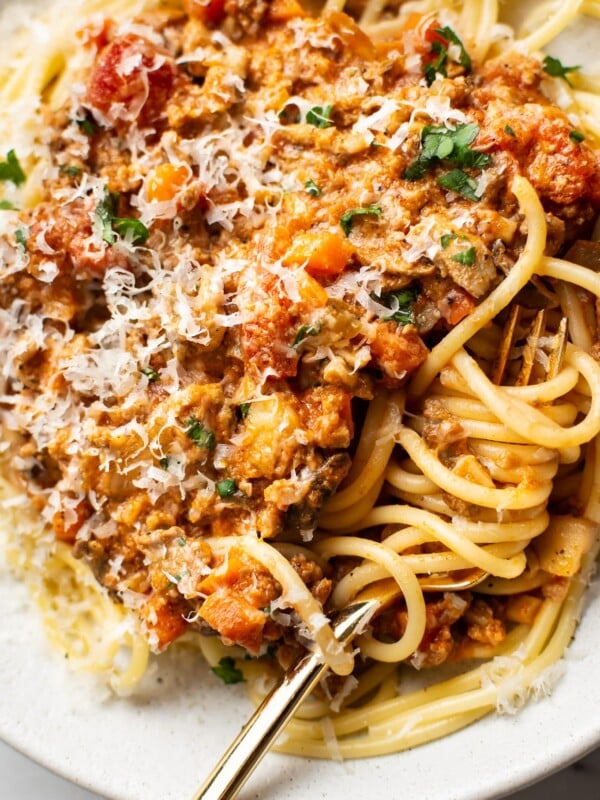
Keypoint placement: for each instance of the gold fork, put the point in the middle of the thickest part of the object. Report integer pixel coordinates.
(270, 718)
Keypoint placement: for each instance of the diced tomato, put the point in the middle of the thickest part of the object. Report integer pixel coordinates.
(397, 352)
(211, 12)
(455, 305)
(131, 80)
(420, 29)
(265, 335)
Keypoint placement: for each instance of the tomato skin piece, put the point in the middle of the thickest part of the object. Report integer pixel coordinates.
(132, 80)
(211, 12)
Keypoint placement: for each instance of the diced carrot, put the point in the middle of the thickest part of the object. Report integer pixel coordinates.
(284, 10)
(311, 291)
(323, 253)
(163, 620)
(235, 619)
(165, 181)
(210, 12)
(228, 573)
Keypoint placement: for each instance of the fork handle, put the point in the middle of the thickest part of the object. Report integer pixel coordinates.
(258, 734)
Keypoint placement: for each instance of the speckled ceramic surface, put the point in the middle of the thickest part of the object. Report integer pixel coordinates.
(159, 744)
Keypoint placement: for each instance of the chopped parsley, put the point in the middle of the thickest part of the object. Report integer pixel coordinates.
(226, 487)
(10, 170)
(447, 238)
(109, 223)
(21, 238)
(466, 257)
(312, 189)
(461, 183)
(164, 462)
(440, 51)
(401, 304)
(87, 125)
(304, 331)
(70, 170)
(439, 143)
(555, 67)
(320, 116)
(200, 436)
(131, 229)
(347, 219)
(180, 541)
(105, 212)
(228, 672)
(244, 409)
(150, 373)
(6, 205)
(509, 130)
(576, 136)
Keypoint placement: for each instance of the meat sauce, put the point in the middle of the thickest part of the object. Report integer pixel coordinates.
(239, 240)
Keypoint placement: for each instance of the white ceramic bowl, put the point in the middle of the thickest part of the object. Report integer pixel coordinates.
(159, 744)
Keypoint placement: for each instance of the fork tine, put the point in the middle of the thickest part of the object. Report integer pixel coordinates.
(508, 337)
(531, 345)
(557, 352)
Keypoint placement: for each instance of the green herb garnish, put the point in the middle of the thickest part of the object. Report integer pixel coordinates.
(150, 373)
(312, 189)
(466, 257)
(461, 183)
(440, 50)
(555, 67)
(401, 303)
(320, 116)
(87, 125)
(21, 238)
(200, 436)
(447, 238)
(6, 205)
(131, 229)
(304, 331)
(105, 213)
(226, 487)
(576, 136)
(108, 222)
(347, 219)
(228, 672)
(439, 143)
(70, 170)
(244, 409)
(164, 462)
(10, 170)
(180, 541)
(509, 130)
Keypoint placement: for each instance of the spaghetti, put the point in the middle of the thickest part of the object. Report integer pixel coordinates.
(231, 234)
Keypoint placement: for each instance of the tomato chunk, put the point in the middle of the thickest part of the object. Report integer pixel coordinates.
(131, 80)
(397, 352)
